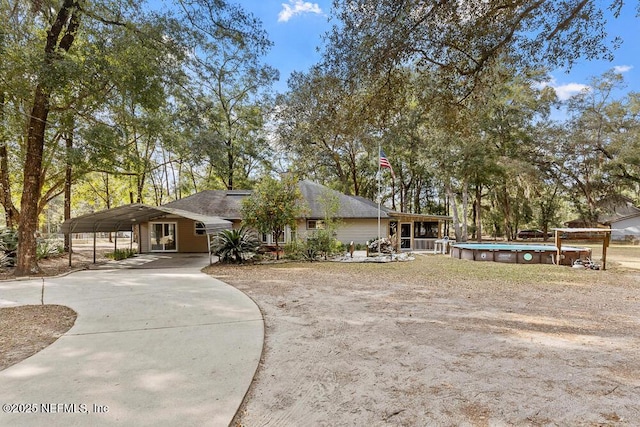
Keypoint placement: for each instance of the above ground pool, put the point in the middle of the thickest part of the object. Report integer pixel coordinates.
(518, 253)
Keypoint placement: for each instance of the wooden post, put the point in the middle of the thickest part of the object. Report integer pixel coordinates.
(94, 247)
(70, 246)
(558, 242)
(605, 244)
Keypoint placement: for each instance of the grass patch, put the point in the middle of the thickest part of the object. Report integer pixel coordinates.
(429, 269)
(120, 254)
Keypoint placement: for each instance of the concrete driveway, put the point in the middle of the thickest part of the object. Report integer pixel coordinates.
(156, 343)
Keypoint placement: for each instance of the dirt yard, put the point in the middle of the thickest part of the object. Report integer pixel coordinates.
(445, 342)
(435, 341)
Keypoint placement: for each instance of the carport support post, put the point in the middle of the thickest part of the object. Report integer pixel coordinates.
(94, 247)
(209, 246)
(70, 238)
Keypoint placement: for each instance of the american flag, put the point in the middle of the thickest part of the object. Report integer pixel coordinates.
(384, 163)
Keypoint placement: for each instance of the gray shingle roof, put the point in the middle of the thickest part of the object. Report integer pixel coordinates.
(213, 207)
(223, 203)
(227, 203)
(350, 206)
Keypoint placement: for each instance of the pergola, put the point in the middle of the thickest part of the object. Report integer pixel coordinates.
(125, 218)
(595, 234)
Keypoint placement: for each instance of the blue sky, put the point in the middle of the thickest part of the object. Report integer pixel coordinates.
(296, 27)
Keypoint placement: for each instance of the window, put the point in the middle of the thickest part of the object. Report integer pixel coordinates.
(200, 229)
(162, 237)
(425, 229)
(280, 237)
(314, 224)
(271, 239)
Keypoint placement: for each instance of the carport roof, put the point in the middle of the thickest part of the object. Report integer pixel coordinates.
(124, 217)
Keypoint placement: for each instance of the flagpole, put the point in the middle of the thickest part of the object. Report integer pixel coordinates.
(379, 191)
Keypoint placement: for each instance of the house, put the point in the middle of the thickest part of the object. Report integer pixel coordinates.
(625, 228)
(610, 208)
(186, 225)
(617, 213)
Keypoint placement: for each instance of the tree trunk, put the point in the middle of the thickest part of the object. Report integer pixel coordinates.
(67, 20)
(107, 198)
(454, 209)
(28, 224)
(505, 204)
(11, 214)
(230, 165)
(68, 175)
(478, 217)
(465, 209)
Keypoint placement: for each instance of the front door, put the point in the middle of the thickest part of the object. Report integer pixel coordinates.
(163, 237)
(405, 235)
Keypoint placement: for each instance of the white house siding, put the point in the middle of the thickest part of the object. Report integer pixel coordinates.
(356, 230)
(626, 229)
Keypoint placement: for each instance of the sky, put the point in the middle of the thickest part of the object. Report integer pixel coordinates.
(296, 26)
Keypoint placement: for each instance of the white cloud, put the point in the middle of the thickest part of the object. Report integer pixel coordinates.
(622, 68)
(565, 91)
(297, 7)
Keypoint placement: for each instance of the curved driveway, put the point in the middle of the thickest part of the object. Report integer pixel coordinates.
(157, 343)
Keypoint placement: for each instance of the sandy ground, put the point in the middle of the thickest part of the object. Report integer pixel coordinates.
(435, 341)
(443, 342)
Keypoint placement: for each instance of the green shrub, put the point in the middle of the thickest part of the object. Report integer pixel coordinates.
(120, 254)
(48, 247)
(322, 244)
(295, 250)
(8, 247)
(235, 245)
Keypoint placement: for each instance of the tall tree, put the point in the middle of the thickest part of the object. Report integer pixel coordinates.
(460, 39)
(234, 89)
(60, 37)
(596, 150)
(70, 56)
(273, 206)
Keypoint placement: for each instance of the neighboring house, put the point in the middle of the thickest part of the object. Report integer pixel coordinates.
(625, 228)
(611, 209)
(185, 225)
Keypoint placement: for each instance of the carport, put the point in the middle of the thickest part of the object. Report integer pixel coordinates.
(127, 217)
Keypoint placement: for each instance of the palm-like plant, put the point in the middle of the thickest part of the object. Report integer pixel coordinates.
(233, 245)
(8, 246)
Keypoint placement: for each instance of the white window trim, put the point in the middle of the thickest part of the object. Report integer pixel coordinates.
(318, 224)
(203, 229)
(151, 224)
